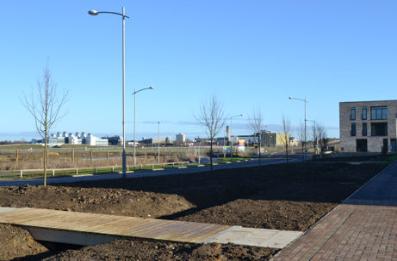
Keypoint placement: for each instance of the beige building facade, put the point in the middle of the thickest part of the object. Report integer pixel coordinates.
(368, 126)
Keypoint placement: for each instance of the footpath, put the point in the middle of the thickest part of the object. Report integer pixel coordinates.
(363, 227)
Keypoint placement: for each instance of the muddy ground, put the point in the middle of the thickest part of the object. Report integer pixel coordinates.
(149, 250)
(291, 197)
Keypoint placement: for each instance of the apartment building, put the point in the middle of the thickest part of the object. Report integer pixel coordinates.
(368, 126)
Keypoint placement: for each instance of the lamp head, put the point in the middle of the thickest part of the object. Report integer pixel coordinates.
(93, 12)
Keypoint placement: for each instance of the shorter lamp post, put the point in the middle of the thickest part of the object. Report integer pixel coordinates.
(134, 131)
(305, 115)
(230, 128)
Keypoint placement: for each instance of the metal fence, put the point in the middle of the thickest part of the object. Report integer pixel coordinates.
(81, 156)
(29, 173)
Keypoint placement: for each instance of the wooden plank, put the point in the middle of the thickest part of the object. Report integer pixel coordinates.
(123, 226)
(86, 228)
(22, 216)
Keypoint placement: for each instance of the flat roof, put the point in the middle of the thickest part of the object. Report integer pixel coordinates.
(368, 101)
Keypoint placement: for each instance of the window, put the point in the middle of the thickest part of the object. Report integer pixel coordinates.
(379, 113)
(364, 129)
(379, 129)
(364, 113)
(353, 114)
(353, 129)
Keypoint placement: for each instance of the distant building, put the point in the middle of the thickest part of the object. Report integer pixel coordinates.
(221, 141)
(57, 140)
(246, 140)
(36, 141)
(146, 142)
(228, 133)
(268, 139)
(180, 139)
(132, 143)
(280, 139)
(114, 140)
(74, 139)
(368, 126)
(96, 141)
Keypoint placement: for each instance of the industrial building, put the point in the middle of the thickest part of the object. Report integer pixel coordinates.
(180, 139)
(77, 139)
(268, 139)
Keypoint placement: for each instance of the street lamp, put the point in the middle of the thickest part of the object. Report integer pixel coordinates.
(305, 114)
(230, 128)
(123, 16)
(134, 132)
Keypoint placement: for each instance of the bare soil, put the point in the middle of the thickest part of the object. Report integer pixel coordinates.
(150, 250)
(291, 197)
(94, 200)
(17, 242)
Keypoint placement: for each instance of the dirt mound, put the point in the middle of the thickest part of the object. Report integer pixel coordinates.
(95, 200)
(17, 242)
(150, 250)
(231, 252)
(263, 214)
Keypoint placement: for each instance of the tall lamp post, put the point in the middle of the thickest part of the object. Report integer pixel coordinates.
(230, 128)
(304, 100)
(134, 130)
(123, 16)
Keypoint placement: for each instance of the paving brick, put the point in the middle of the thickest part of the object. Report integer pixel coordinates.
(360, 229)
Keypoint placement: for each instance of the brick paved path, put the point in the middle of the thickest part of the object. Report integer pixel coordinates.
(364, 227)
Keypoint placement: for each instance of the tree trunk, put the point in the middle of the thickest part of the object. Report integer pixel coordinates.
(17, 159)
(45, 158)
(286, 151)
(211, 154)
(259, 150)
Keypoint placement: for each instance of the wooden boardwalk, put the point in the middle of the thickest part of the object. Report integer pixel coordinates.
(87, 228)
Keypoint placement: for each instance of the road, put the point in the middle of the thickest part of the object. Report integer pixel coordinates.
(148, 173)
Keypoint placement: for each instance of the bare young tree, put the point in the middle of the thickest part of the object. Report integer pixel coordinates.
(212, 118)
(322, 137)
(45, 105)
(315, 136)
(301, 135)
(256, 125)
(286, 135)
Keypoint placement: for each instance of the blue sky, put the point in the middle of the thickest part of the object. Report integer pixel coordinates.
(252, 53)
